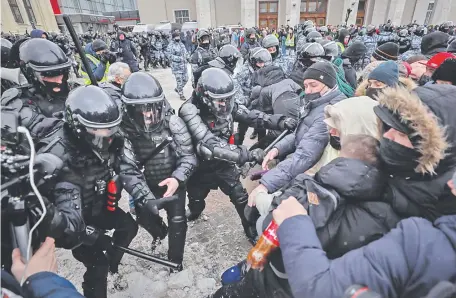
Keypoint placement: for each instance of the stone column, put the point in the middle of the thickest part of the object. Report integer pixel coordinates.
(203, 13)
(420, 11)
(396, 11)
(293, 12)
(379, 12)
(442, 10)
(353, 5)
(369, 12)
(248, 13)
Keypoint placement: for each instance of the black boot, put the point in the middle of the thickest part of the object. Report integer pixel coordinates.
(95, 284)
(249, 229)
(195, 208)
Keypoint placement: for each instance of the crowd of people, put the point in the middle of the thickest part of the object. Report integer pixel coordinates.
(356, 137)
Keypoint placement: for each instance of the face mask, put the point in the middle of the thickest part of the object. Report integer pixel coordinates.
(274, 55)
(423, 80)
(398, 158)
(373, 92)
(252, 40)
(205, 45)
(176, 39)
(334, 142)
(312, 96)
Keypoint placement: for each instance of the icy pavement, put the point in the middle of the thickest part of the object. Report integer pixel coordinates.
(215, 242)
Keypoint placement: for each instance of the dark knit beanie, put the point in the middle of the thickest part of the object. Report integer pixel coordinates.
(323, 72)
(446, 71)
(387, 73)
(387, 51)
(355, 51)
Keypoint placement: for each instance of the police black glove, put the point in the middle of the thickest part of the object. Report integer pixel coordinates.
(149, 205)
(288, 124)
(104, 58)
(112, 58)
(256, 155)
(97, 238)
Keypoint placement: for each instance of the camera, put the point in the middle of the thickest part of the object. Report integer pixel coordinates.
(22, 205)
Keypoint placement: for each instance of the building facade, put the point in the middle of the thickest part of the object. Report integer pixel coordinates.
(274, 13)
(19, 16)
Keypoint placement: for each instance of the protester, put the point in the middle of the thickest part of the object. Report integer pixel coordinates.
(446, 72)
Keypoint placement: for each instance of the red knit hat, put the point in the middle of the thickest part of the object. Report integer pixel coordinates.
(438, 59)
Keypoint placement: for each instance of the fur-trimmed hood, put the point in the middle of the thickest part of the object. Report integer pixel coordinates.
(412, 109)
(408, 83)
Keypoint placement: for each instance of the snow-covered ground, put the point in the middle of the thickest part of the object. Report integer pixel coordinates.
(215, 242)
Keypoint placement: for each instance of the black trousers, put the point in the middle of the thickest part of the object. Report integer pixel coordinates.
(99, 263)
(218, 174)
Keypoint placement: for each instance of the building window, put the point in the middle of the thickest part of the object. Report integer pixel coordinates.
(320, 21)
(181, 16)
(361, 5)
(29, 10)
(16, 12)
(269, 7)
(430, 9)
(313, 6)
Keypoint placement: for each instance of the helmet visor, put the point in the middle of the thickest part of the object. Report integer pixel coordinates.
(222, 107)
(100, 138)
(147, 116)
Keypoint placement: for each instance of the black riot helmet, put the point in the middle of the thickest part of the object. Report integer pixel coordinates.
(307, 24)
(42, 61)
(310, 51)
(204, 38)
(323, 30)
(420, 31)
(6, 48)
(230, 56)
(330, 47)
(388, 28)
(403, 33)
(216, 89)
(309, 29)
(370, 30)
(271, 43)
(248, 33)
(99, 45)
(94, 117)
(313, 36)
(445, 27)
(259, 57)
(144, 101)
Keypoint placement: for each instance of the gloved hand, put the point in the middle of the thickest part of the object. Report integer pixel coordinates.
(104, 58)
(288, 124)
(112, 58)
(148, 205)
(256, 155)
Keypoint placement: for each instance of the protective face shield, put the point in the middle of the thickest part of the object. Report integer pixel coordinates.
(54, 82)
(147, 116)
(221, 105)
(100, 139)
(260, 59)
(205, 41)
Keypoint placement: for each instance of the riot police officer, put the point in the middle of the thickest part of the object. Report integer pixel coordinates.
(271, 43)
(306, 55)
(227, 60)
(93, 152)
(404, 41)
(149, 120)
(144, 44)
(202, 55)
(251, 42)
(209, 115)
(46, 67)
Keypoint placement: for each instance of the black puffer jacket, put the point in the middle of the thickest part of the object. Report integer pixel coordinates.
(273, 83)
(424, 193)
